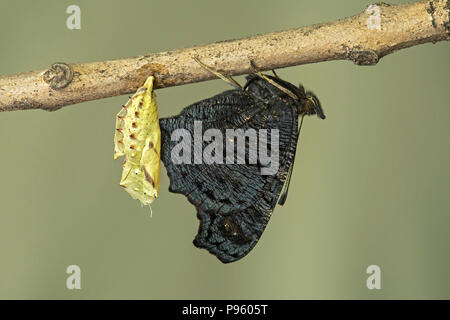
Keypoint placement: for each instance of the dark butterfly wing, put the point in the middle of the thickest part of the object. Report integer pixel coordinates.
(204, 184)
(234, 201)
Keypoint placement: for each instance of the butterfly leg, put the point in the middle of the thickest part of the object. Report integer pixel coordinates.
(256, 69)
(275, 74)
(225, 78)
(263, 76)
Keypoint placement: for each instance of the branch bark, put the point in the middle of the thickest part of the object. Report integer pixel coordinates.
(355, 38)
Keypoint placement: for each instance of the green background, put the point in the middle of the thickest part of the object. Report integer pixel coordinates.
(371, 183)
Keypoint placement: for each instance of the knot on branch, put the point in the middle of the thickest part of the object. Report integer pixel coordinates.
(363, 57)
(59, 75)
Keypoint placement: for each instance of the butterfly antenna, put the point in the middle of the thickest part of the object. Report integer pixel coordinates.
(286, 185)
(225, 78)
(151, 211)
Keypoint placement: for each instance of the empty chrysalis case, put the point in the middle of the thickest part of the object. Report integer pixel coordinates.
(138, 139)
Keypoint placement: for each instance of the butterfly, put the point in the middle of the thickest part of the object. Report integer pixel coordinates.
(138, 139)
(234, 201)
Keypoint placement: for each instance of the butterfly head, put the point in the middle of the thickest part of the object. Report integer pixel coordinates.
(312, 106)
(265, 86)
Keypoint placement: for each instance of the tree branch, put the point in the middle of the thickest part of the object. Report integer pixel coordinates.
(355, 38)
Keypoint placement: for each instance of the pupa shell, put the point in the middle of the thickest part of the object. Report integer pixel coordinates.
(138, 139)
